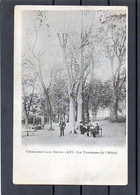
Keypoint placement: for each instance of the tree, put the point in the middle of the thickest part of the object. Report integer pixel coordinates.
(83, 73)
(60, 97)
(113, 37)
(78, 56)
(96, 95)
(28, 87)
(71, 84)
(34, 59)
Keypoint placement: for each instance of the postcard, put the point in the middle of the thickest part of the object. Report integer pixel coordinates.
(70, 95)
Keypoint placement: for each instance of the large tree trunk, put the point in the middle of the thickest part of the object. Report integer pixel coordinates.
(49, 108)
(63, 42)
(64, 116)
(26, 121)
(58, 117)
(43, 119)
(72, 101)
(33, 120)
(86, 111)
(54, 118)
(83, 113)
(80, 99)
(26, 116)
(67, 117)
(85, 108)
(72, 114)
(114, 104)
(113, 111)
(79, 111)
(79, 103)
(50, 112)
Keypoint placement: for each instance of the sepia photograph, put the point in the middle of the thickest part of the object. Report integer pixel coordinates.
(71, 93)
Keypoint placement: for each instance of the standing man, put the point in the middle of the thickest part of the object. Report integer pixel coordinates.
(81, 127)
(62, 127)
(97, 128)
(88, 129)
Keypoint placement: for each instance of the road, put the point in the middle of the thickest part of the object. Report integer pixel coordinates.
(113, 134)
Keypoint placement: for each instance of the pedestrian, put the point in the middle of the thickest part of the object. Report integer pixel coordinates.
(97, 128)
(84, 129)
(92, 130)
(81, 127)
(62, 128)
(88, 129)
(95, 131)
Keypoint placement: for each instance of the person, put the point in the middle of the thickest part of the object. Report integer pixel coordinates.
(84, 128)
(97, 128)
(62, 127)
(81, 127)
(88, 129)
(92, 130)
(95, 131)
(39, 126)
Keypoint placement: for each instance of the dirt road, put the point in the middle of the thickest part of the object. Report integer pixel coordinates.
(113, 134)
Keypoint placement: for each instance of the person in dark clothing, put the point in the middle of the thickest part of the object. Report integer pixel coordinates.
(97, 128)
(84, 129)
(88, 129)
(95, 131)
(81, 127)
(62, 128)
(92, 130)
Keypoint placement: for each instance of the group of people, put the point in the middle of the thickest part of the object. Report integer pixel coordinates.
(89, 128)
(37, 126)
(84, 128)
